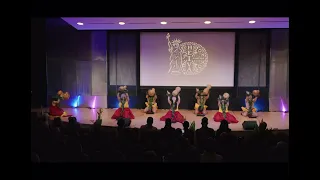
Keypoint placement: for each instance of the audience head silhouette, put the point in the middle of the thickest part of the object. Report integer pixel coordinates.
(186, 125)
(224, 125)
(204, 122)
(121, 123)
(168, 122)
(149, 121)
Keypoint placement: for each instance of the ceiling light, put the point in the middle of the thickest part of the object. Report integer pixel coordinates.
(122, 23)
(163, 22)
(207, 22)
(252, 22)
(80, 23)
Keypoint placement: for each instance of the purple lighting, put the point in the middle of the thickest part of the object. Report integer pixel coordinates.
(94, 103)
(283, 106)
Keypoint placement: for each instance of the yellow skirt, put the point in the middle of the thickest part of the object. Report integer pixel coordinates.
(196, 106)
(246, 110)
(220, 110)
(126, 105)
(153, 105)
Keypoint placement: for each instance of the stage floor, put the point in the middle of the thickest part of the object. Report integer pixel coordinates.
(276, 120)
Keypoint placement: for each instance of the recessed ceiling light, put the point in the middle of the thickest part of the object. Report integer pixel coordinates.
(207, 22)
(163, 22)
(122, 23)
(80, 23)
(252, 22)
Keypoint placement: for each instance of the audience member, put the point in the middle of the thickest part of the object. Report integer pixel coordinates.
(187, 133)
(149, 126)
(167, 127)
(204, 133)
(62, 142)
(223, 128)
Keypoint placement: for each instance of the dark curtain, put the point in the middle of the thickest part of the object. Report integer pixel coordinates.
(122, 58)
(123, 55)
(252, 59)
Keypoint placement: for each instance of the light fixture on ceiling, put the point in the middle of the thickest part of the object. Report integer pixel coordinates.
(207, 22)
(163, 22)
(122, 23)
(80, 23)
(252, 22)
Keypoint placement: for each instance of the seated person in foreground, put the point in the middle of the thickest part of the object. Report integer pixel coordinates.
(204, 133)
(149, 125)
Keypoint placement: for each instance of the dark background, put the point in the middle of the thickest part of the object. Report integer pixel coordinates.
(62, 44)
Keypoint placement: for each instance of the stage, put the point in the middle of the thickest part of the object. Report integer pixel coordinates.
(275, 120)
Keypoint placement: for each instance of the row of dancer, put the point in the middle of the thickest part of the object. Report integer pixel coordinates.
(174, 101)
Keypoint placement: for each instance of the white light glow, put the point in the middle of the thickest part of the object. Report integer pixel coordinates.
(163, 22)
(80, 23)
(207, 22)
(252, 22)
(122, 23)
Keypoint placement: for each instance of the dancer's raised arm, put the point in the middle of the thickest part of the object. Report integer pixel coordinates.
(178, 101)
(169, 101)
(127, 95)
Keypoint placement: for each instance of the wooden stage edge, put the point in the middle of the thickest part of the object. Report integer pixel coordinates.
(275, 120)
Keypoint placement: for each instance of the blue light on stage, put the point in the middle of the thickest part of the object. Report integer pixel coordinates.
(76, 102)
(259, 104)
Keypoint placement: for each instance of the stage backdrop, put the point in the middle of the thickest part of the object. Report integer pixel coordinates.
(91, 65)
(247, 52)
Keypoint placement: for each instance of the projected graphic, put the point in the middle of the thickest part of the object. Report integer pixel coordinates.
(187, 58)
